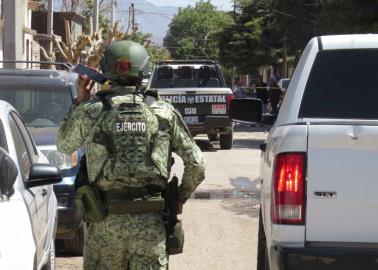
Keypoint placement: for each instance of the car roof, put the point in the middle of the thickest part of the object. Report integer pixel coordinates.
(342, 42)
(180, 62)
(55, 78)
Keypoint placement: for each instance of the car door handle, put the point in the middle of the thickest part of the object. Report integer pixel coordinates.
(44, 192)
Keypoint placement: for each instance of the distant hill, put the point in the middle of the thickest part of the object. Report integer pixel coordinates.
(151, 18)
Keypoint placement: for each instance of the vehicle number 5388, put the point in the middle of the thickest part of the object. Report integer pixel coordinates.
(190, 111)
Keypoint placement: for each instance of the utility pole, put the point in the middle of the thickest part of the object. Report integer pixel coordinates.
(50, 23)
(133, 17)
(112, 14)
(284, 62)
(131, 22)
(95, 15)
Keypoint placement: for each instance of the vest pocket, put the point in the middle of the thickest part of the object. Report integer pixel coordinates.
(161, 153)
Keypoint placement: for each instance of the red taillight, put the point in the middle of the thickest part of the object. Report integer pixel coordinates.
(288, 202)
(229, 98)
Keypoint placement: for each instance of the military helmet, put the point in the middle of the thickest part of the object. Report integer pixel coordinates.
(124, 60)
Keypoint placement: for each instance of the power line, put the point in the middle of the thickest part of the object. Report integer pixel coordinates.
(256, 3)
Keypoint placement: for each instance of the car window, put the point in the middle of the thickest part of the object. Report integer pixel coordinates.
(342, 85)
(179, 76)
(39, 105)
(3, 139)
(25, 133)
(23, 156)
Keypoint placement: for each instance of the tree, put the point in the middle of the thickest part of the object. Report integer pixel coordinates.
(265, 31)
(246, 44)
(348, 17)
(192, 32)
(156, 53)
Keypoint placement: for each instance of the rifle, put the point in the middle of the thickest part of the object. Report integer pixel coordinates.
(173, 226)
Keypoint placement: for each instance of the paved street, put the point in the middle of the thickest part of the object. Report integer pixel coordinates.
(220, 220)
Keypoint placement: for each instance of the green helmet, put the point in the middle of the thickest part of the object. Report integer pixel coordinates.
(124, 60)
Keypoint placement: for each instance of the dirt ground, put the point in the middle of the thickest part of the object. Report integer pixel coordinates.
(221, 219)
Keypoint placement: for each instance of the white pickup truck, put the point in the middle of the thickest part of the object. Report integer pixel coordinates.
(319, 166)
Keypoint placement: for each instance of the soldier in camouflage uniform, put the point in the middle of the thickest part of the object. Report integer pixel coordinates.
(134, 240)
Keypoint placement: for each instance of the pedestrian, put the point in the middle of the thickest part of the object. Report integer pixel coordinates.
(128, 148)
(261, 90)
(275, 95)
(238, 90)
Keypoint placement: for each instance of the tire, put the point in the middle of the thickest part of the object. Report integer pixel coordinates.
(225, 140)
(212, 137)
(75, 245)
(262, 252)
(50, 265)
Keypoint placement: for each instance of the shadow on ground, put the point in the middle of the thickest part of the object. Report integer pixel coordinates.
(247, 143)
(247, 207)
(243, 199)
(238, 143)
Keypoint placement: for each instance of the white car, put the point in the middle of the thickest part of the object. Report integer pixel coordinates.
(28, 207)
(319, 172)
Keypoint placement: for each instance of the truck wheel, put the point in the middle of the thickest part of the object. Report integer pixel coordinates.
(262, 253)
(212, 137)
(225, 140)
(75, 245)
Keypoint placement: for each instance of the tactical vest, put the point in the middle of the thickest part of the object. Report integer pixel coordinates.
(129, 131)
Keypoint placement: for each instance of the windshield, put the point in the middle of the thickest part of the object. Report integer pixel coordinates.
(178, 76)
(39, 106)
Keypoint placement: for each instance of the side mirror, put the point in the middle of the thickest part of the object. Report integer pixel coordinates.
(246, 110)
(8, 173)
(43, 174)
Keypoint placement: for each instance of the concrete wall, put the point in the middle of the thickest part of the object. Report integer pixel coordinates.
(14, 20)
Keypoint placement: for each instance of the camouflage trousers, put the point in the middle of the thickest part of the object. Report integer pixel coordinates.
(126, 242)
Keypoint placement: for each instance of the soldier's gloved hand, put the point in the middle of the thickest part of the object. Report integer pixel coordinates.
(180, 206)
(84, 88)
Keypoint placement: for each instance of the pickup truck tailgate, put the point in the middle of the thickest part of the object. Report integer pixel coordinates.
(342, 183)
(195, 105)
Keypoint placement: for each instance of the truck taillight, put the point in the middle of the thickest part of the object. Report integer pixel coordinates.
(229, 98)
(288, 204)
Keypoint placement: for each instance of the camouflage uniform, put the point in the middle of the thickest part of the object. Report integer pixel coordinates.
(131, 241)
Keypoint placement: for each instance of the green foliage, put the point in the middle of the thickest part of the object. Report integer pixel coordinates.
(156, 53)
(351, 16)
(263, 30)
(44, 5)
(193, 31)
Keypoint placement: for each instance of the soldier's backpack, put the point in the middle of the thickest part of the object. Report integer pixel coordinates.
(127, 130)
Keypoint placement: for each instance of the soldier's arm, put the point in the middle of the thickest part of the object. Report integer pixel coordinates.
(184, 145)
(75, 127)
(73, 130)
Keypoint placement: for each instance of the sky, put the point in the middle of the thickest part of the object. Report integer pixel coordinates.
(221, 4)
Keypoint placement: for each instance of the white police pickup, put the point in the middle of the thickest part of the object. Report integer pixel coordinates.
(198, 91)
(319, 172)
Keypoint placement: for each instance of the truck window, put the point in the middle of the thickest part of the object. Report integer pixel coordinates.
(342, 85)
